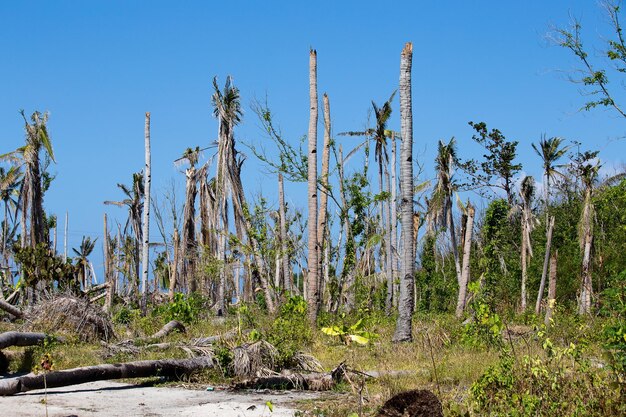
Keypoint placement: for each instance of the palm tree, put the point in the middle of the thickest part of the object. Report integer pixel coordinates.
(312, 261)
(31, 193)
(134, 202)
(380, 134)
(441, 201)
(587, 167)
(550, 151)
(227, 109)
(403, 330)
(527, 191)
(83, 265)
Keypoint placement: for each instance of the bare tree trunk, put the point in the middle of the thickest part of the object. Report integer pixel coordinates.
(322, 224)
(108, 270)
(286, 277)
(552, 287)
(388, 256)
(546, 261)
(403, 332)
(524, 259)
(313, 273)
(145, 247)
(8, 339)
(465, 272)
(394, 221)
(174, 266)
(138, 369)
(11, 309)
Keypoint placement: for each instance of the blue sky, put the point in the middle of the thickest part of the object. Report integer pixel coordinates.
(97, 66)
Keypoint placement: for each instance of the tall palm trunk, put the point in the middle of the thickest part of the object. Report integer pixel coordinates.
(313, 270)
(394, 220)
(551, 288)
(188, 247)
(587, 240)
(388, 255)
(546, 260)
(465, 271)
(286, 273)
(145, 233)
(403, 330)
(174, 266)
(322, 225)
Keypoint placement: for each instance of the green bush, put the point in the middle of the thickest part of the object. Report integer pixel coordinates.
(557, 382)
(290, 332)
(184, 308)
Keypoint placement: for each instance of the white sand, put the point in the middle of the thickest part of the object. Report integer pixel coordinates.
(108, 398)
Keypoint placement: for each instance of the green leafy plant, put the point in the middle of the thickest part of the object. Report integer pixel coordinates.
(348, 334)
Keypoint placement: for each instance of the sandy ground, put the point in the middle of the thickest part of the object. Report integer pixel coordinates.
(108, 398)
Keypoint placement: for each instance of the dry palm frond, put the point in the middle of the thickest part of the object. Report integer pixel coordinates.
(307, 362)
(72, 315)
(250, 359)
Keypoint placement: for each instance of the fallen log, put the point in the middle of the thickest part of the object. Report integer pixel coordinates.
(97, 297)
(11, 309)
(24, 339)
(167, 329)
(96, 288)
(140, 369)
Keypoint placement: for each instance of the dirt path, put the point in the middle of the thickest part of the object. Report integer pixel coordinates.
(108, 398)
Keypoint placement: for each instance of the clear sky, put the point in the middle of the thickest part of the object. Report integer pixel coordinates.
(97, 66)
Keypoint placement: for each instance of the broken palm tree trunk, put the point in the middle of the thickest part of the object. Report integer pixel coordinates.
(140, 369)
(11, 309)
(8, 339)
(551, 288)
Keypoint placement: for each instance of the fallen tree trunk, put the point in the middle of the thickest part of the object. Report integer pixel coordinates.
(167, 329)
(140, 369)
(23, 339)
(96, 288)
(11, 309)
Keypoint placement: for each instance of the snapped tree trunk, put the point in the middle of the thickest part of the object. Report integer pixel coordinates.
(9, 308)
(546, 262)
(8, 339)
(312, 262)
(552, 288)
(282, 216)
(465, 271)
(139, 369)
(322, 225)
(403, 330)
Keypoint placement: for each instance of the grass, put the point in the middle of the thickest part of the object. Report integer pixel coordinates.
(436, 360)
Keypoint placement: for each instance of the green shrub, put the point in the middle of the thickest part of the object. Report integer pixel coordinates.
(184, 308)
(290, 332)
(557, 382)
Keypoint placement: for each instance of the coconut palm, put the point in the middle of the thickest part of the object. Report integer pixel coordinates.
(312, 261)
(586, 166)
(550, 151)
(134, 202)
(227, 109)
(527, 191)
(28, 157)
(84, 268)
(379, 135)
(403, 330)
